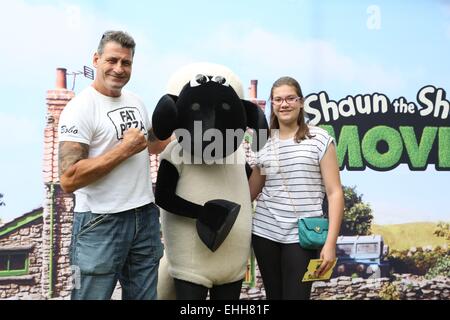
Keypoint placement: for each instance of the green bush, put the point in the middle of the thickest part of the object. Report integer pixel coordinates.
(442, 230)
(441, 268)
(417, 262)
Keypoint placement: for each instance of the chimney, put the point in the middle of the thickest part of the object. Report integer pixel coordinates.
(61, 78)
(253, 92)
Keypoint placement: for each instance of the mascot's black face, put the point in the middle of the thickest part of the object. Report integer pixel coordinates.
(213, 115)
(208, 118)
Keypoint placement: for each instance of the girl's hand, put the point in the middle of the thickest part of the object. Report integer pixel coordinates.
(328, 256)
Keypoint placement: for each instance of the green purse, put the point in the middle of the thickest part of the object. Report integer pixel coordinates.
(312, 232)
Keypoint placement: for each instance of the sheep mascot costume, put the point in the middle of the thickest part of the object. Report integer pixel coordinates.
(202, 184)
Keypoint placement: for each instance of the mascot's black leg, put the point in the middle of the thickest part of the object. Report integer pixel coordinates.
(189, 291)
(228, 291)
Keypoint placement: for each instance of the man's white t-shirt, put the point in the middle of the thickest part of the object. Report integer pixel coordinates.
(100, 122)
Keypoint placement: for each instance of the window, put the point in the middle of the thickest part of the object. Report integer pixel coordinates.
(367, 248)
(344, 250)
(3, 262)
(13, 263)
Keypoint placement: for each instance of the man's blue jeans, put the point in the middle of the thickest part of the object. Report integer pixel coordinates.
(124, 246)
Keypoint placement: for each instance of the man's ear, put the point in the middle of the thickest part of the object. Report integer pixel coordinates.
(165, 117)
(257, 121)
(95, 59)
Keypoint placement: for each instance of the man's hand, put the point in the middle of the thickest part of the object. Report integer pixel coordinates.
(134, 141)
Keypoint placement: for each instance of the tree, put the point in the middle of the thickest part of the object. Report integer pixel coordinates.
(442, 230)
(357, 214)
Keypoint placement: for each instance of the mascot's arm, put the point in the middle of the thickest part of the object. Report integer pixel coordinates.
(213, 213)
(217, 215)
(166, 197)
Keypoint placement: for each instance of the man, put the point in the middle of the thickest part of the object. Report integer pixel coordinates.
(103, 158)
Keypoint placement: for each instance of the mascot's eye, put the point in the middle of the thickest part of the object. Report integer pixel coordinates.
(195, 106)
(226, 106)
(220, 80)
(199, 80)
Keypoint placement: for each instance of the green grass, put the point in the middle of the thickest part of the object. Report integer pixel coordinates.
(407, 235)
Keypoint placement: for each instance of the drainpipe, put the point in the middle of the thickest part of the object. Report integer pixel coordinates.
(56, 101)
(61, 84)
(50, 262)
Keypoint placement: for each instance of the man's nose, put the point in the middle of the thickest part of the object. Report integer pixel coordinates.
(118, 68)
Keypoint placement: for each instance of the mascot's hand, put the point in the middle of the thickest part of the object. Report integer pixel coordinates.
(215, 221)
(216, 212)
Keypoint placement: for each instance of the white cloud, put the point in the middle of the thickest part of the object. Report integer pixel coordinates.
(42, 38)
(279, 54)
(45, 37)
(37, 34)
(37, 39)
(66, 35)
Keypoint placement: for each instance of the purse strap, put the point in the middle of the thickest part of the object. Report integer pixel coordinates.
(277, 157)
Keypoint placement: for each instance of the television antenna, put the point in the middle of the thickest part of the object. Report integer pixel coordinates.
(87, 72)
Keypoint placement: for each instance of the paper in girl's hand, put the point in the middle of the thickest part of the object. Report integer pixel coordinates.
(313, 265)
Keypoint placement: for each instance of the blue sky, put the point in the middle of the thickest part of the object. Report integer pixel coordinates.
(333, 46)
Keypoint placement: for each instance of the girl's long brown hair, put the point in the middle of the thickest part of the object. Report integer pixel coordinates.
(303, 130)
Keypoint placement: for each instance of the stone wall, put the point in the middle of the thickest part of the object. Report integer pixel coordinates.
(28, 236)
(403, 287)
(254, 293)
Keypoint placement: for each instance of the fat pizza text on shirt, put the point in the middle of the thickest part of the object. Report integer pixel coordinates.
(126, 118)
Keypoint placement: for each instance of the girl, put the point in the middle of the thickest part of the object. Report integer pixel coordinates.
(294, 171)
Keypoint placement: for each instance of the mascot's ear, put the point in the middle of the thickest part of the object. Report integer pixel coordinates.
(257, 121)
(165, 117)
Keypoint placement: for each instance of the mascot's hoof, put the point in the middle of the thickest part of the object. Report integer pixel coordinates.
(216, 221)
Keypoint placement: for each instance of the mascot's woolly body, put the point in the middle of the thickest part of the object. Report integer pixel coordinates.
(189, 258)
(206, 208)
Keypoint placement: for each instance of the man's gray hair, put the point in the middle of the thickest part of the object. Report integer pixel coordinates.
(122, 38)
